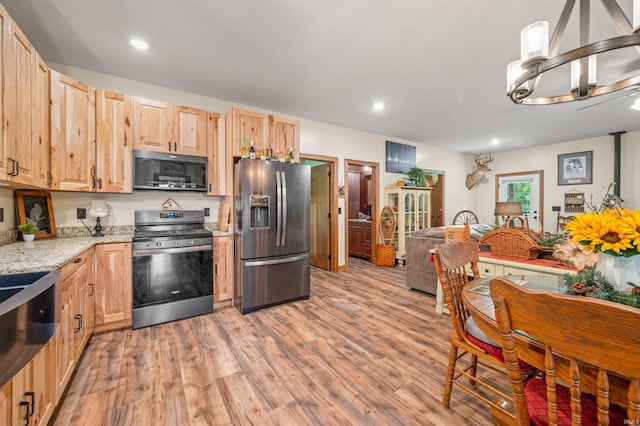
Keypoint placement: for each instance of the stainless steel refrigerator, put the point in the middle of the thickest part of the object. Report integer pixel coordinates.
(273, 214)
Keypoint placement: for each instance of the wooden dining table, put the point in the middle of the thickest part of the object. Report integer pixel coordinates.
(477, 297)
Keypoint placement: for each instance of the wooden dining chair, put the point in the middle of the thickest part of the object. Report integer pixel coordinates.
(562, 222)
(598, 340)
(454, 261)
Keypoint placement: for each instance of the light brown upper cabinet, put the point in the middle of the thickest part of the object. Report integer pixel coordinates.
(73, 134)
(279, 135)
(40, 135)
(284, 136)
(163, 127)
(244, 127)
(114, 147)
(216, 156)
(21, 86)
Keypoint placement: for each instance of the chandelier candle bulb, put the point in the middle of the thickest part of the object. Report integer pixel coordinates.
(576, 72)
(514, 70)
(534, 43)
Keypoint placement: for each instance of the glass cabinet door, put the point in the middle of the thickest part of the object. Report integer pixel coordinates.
(423, 211)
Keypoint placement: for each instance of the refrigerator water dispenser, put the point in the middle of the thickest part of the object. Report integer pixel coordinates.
(259, 211)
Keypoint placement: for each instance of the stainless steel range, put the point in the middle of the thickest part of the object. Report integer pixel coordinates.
(172, 266)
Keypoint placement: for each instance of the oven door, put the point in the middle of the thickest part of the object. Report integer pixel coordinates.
(166, 275)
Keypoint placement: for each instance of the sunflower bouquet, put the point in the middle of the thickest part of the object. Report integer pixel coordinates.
(614, 231)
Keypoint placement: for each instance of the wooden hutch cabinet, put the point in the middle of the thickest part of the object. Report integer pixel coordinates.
(411, 205)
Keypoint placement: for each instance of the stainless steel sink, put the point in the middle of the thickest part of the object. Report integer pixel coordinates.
(29, 310)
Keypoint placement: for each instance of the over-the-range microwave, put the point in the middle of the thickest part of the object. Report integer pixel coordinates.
(169, 172)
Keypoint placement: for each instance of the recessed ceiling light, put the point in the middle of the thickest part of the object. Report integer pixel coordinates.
(636, 105)
(495, 141)
(378, 106)
(139, 44)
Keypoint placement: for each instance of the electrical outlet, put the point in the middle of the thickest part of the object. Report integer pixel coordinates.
(81, 213)
(207, 212)
(555, 208)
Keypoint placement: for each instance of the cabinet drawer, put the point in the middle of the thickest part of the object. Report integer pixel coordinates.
(508, 270)
(487, 269)
(74, 265)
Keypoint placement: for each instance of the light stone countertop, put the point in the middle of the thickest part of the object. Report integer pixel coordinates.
(52, 253)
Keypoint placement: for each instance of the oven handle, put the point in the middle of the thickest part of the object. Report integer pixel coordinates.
(140, 253)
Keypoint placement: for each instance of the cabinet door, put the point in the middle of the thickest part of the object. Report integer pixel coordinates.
(190, 135)
(21, 383)
(65, 353)
(19, 83)
(216, 166)
(113, 142)
(152, 125)
(89, 294)
(284, 137)
(113, 297)
(43, 365)
(40, 122)
(223, 268)
(73, 134)
(5, 166)
(6, 404)
(247, 126)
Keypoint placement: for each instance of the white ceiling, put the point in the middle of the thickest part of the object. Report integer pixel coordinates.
(438, 65)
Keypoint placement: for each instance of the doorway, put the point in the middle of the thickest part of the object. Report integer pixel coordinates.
(362, 209)
(527, 188)
(324, 211)
(435, 181)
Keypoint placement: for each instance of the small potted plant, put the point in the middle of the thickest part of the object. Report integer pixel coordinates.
(416, 175)
(28, 231)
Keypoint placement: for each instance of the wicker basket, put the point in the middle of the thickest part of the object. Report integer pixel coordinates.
(386, 255)
(512, 243)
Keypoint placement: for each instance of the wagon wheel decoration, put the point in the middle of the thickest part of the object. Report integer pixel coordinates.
(387, 225)
(465, 216)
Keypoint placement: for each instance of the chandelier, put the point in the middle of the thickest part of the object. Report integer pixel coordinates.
(538, 55)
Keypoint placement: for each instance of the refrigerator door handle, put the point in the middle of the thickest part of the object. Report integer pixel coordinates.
(278, 208)
(277, 261)
(284, 210)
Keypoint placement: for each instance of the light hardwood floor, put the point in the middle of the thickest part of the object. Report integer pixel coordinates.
(363, 350)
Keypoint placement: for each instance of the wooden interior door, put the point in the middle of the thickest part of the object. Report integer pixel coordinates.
(320, 219)
(436, 182)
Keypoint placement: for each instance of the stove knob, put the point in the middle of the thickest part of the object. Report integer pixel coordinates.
(158, 244)
(176, 243)
(191, 242)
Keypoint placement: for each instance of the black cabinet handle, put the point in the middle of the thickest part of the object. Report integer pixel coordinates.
(169, 144)
(78, 260)
(100, 183)
(78, 318)
(92, 289)
(32, 396)
(25, 404)
(209, 187)
(175, 147)
(17, 170)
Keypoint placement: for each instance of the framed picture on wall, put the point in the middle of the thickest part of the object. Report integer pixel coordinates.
(35, 207)
(575, 168)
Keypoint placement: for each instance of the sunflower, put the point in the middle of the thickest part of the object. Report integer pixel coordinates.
(613, 231)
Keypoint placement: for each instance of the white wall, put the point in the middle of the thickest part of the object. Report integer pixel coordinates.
(546, 158)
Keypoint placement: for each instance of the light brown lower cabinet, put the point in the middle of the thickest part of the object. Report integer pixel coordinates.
(75, 313)
(113, 287)
(29, 398)
(223, 262)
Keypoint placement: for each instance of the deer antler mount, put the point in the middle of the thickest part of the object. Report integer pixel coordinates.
(474, 177)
